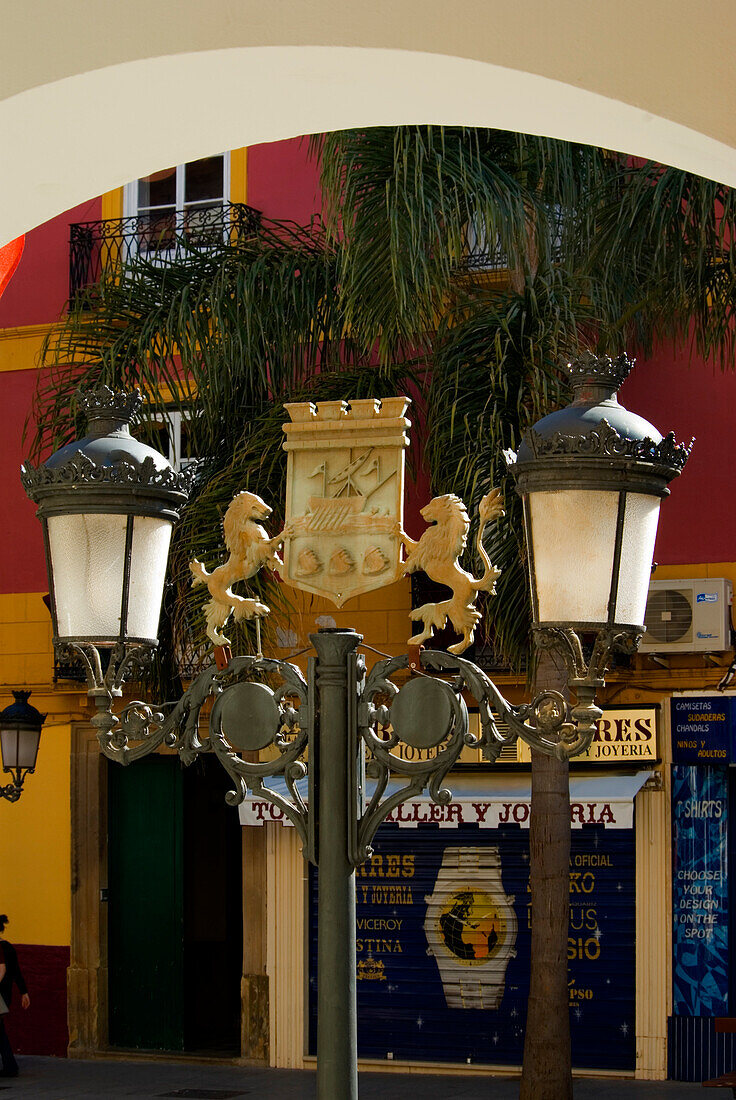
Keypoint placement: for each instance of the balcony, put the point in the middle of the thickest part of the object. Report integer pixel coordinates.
(488, 258)
(100, 246)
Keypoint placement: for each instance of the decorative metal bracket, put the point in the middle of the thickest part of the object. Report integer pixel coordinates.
(586, 677)
(12, 791)
(123, 661)
(428, 712)
(247, 716)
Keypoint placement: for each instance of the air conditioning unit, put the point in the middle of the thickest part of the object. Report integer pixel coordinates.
(688, 616)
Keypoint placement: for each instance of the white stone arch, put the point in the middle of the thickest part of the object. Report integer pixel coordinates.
(94, 93)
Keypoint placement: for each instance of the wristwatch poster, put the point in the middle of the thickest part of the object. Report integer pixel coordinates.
(471, 927)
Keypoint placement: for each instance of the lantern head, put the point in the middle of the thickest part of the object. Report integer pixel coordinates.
(591, 477)
(107, 504)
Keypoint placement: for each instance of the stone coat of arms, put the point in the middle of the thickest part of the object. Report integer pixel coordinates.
(344, 495)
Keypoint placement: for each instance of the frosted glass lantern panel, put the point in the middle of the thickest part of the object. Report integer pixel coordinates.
(87, 555)
(19, 747)
(573, 535)
(637, 552)
(150, 555)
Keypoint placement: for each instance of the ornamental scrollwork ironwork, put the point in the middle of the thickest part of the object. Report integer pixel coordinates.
(98, 246)
(428, 712)
(82, 470)
(109, 403)
(12, 791)
(608, 639)
(548, 724)
(382, 732)
(123, 663)
(604, 441)
(248, 716)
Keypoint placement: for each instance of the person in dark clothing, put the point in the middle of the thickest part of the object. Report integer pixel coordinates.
(10, 975)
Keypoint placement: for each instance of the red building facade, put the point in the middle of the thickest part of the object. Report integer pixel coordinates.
(56, 861)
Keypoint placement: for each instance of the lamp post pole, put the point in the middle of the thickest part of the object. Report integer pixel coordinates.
(337, 1028)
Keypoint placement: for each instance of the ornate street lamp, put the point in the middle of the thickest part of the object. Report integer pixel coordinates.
(20, 734)
(107, 504)
(591, 477)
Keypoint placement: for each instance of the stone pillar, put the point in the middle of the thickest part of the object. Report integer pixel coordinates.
(255, 1032)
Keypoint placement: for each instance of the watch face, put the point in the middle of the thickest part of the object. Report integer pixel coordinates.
(472, 926)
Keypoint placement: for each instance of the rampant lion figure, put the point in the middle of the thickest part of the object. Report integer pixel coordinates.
(250, 549)
(437, 553)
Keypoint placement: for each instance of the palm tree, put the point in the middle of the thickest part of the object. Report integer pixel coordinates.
(479, 257)
(224, 337)
(598, 250)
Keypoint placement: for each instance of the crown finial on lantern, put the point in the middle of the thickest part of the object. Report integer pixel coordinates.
(590, 374)
(108, 404)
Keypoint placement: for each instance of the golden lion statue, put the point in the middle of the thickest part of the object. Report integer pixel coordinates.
(250, 549)
(437, 554)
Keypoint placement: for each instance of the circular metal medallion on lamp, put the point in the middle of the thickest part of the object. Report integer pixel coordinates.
(421, 713)
(247, 715)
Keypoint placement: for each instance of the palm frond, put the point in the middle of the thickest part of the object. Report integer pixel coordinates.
(496, 371)
(237, 325)
(663, 258)
(409, 202)
(601, 251)
(402, 199)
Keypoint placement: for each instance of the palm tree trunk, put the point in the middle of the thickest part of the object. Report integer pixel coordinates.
(547, 1072)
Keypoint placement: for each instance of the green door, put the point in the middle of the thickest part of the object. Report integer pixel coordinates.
(145, 905)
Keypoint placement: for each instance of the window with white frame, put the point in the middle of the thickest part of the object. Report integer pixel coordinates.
(173, 438)
(482, 255)
(181, 203)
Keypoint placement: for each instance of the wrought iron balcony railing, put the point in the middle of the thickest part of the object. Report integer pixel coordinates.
(103, 245)
(483, 256)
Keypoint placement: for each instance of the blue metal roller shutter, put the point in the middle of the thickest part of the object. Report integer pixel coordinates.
(402, 1005)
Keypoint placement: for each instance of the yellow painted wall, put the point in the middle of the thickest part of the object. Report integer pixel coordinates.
(381, 616)
(27, 660)
(239, 175)
(112, 204)
(20, 347)
(35, 832)
(26, 655)
(699, 569)
(35, 887)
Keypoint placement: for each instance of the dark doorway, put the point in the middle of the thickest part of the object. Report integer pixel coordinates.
(213, 911)
(145, 905)
(175, 908)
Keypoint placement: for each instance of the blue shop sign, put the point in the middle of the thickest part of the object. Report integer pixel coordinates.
(700, 891)
(702, 729)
